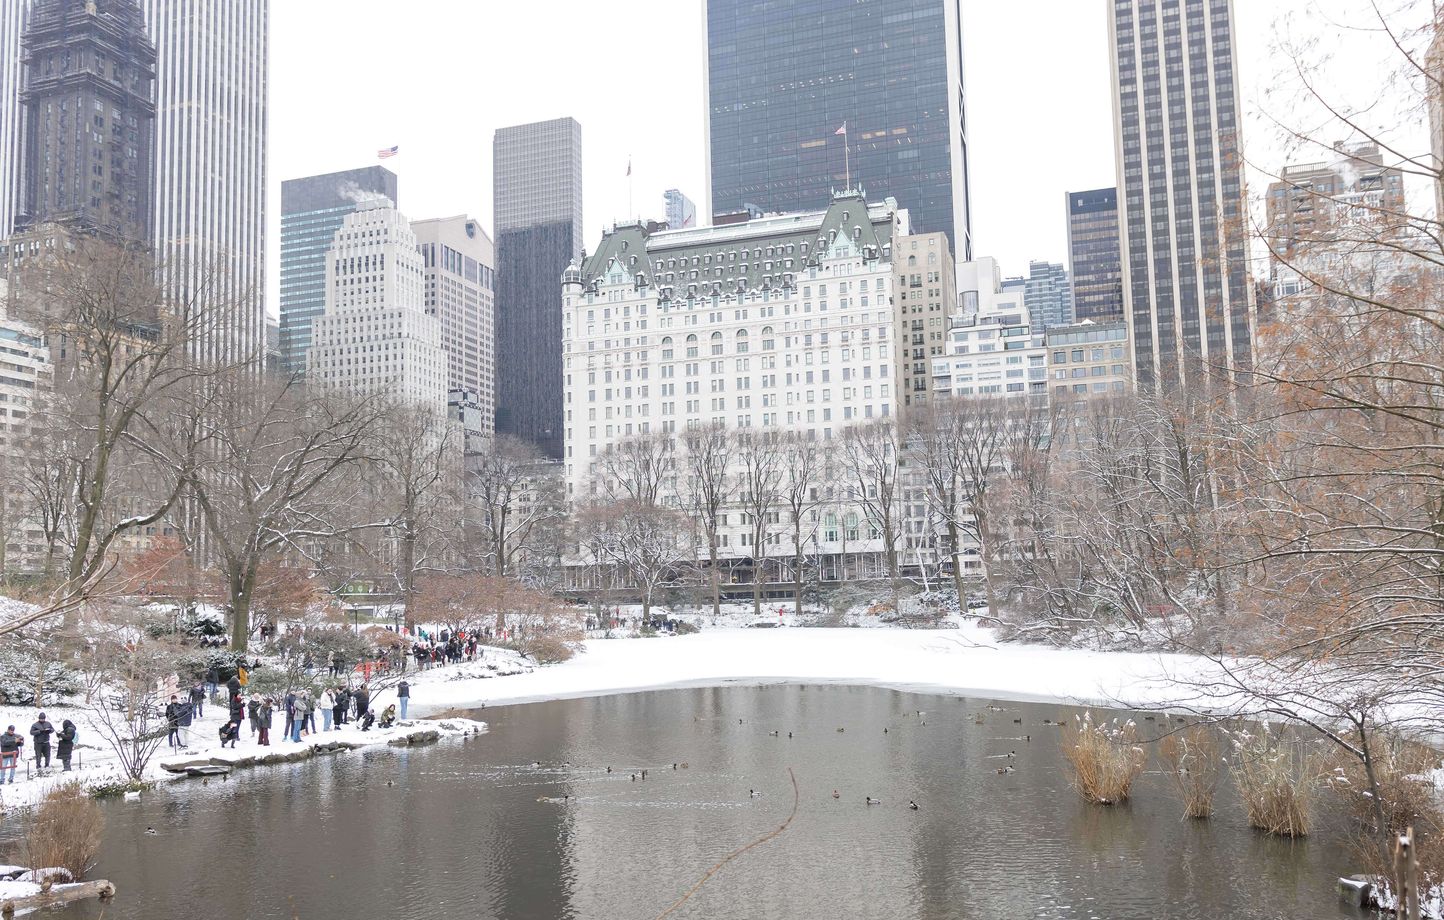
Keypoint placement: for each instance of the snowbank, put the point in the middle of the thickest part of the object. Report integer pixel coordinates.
(964, 661)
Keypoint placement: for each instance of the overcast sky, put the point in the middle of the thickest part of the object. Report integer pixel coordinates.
(438, 77)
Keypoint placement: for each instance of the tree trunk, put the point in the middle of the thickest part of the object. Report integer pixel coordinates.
(408, 573)
(957, 560)
(716, 575)
(243, 582)
(797, 567)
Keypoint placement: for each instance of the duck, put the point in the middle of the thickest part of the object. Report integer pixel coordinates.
(912, 805)
(535, 764)
(873, 801)
(773, 734)
(884, 731)
(739, 721)
(609, 769)
(1008, 769)
(1150, 718)
(634, 777)
(674, 766)
(644, 774)
(789, 734)
(1028, 738)
(1012, 754)
(133, 796)
(151, 832)
(842, 730)
(390, 782)
(836, 794)
(753, 794)
(1017, 721)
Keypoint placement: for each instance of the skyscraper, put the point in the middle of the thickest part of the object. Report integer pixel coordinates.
(460, 266)
(785, 76)
(209, 224)
(1186, 291)
(681, 212)
(375, 336)
(537, 176)
(312, 210)
(89, 117)
(1094, 256)
(1048, 295)
(13, 15)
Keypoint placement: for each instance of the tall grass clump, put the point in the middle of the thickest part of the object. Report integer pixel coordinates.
(65, 830)
(1195, 761)
(1276, 780)
(1105, 758)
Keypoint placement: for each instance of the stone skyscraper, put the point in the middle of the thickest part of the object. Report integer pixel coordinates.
(312, 210)
(537, 176)
(784, 76)
(1186, 289)
(88, 118)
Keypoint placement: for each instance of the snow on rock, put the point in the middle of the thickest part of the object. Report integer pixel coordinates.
(18, 890)
(54, 873)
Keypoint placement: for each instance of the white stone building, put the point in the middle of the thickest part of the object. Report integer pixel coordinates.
(994, 349)
(26, 374)
(376, 335)
(782, 322)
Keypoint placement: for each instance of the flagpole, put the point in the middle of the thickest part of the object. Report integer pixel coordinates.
(846, 156)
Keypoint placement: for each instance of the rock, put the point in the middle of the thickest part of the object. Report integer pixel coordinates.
(206, 770)
(1356, 891)
(186, 766)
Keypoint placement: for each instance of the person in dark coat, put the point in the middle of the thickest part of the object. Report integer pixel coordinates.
(253, 711)
(341, 700)
(41, 732)
(403, 696)
(198, 700)
(231, 732)
(66, 744)
(233, 686)
(263, 716)
(172, 721)
(367, 720)
(237, 710)
(10, 745)
(363, 699)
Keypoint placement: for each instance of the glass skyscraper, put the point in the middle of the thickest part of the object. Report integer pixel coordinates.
(312, 210)
(783, 76)
(537, 184)
(13, 15)
(1186, 292)
(1094, 257)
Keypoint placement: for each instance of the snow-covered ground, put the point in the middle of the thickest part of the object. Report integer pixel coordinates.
(966, 660)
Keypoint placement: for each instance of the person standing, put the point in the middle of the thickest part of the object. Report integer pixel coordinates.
(172, 721)
(198, 700)
(331, 662)
(66, 745)
(41, 732)
(253, 712)
(363, 700)
(268, 709)
(290, 702)
(310, 710)
(237, 711)
(403, 697)
(342, 699)
(10, 745)
(298, 720)
(327, 704)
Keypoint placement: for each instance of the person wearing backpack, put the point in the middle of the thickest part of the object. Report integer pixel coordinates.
(66, 746)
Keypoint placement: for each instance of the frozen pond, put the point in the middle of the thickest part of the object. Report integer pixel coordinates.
(461, 833)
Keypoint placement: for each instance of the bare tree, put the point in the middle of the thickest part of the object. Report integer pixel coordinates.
(871, 455)
(645, 542)
(638, 470)
(709, 489)
(760, 461)
(519, 501)
(802, 487)
(271, 478)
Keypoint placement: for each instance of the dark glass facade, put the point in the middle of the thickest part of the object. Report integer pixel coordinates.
(530, 262)
(1186, 288)
(312, 210)
(784, 75)
(1095, 254)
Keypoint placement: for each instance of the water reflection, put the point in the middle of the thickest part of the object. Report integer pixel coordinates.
(456, 830)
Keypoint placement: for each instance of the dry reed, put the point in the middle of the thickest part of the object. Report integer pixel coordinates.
(65, 830)
(1105, 758)
(1195, 761)
(1276, 779)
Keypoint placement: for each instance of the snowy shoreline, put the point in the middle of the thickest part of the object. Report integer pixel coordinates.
(963, 662)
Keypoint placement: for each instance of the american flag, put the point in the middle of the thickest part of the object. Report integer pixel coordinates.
(842, 130)
(387, 153)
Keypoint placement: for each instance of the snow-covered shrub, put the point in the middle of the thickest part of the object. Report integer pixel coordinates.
(194, 667)
(20, 669)
(1105, 758)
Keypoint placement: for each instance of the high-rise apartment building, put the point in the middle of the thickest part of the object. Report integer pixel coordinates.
(1434, 93)
(209, 223)
(1186, 292)
(312, 210)
(460, 265)
(1095, 254)
(1048, 294)
(537, 181)
(1088, 359)
(13, 16)
(925, 296)
(376, 336)
(89, 117)
(994, 348)
(26, 375)
(681, 212)
(784, 77)
(1313, 202)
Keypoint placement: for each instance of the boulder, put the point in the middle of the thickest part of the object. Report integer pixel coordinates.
(1356, 891)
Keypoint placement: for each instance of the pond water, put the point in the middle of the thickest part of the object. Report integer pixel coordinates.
(461, 833)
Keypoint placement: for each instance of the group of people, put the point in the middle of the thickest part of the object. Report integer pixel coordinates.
(11, 743)
(337, 705)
